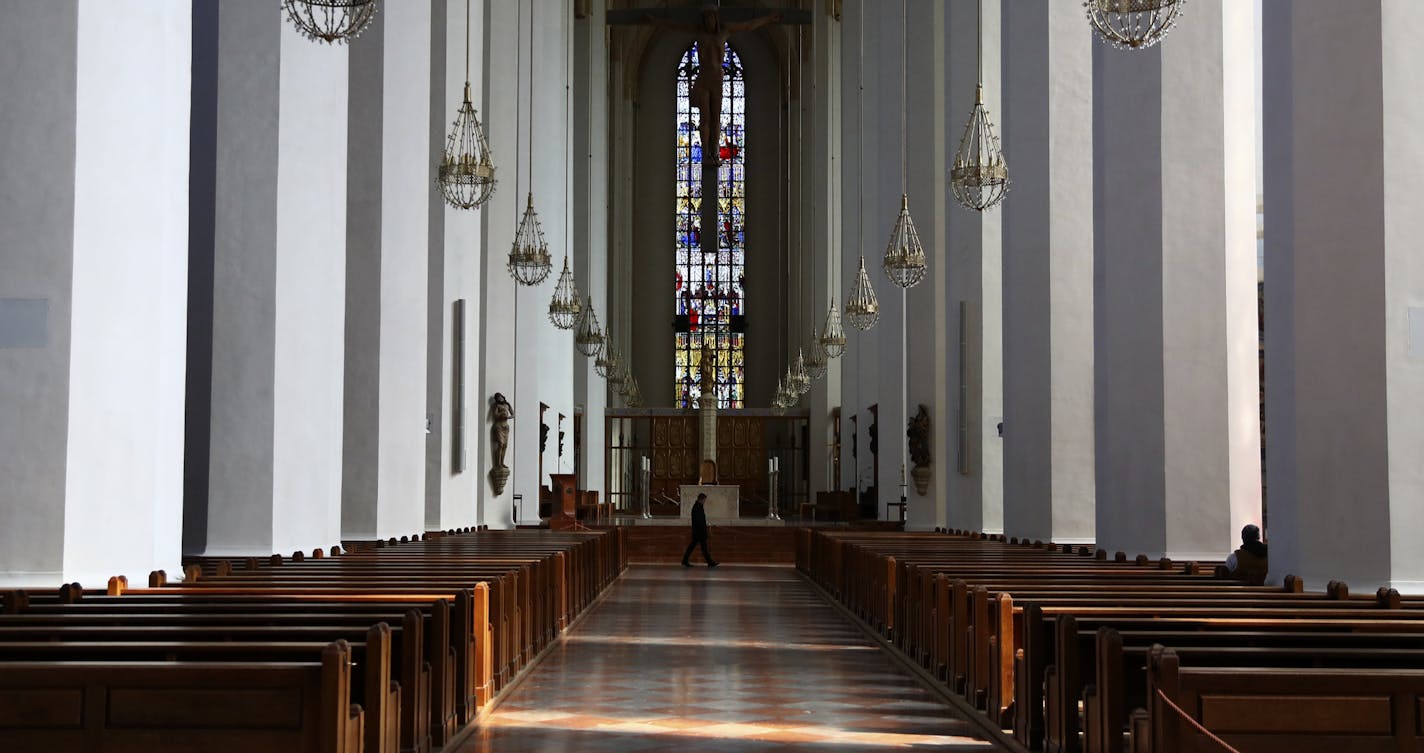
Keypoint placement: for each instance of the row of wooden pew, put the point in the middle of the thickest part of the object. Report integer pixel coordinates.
(1073, 650)
(382, 648)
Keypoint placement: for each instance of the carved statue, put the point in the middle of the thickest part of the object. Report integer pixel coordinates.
(502, 412)
(706, 94)
(918, 435)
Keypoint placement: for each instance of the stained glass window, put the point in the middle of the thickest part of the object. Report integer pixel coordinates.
(709, 292)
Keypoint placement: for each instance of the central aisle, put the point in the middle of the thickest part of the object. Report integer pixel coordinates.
(727, 659)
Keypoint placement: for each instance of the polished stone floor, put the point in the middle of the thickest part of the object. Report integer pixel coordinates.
(730, 659)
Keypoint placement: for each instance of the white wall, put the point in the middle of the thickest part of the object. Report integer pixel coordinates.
(38, 70)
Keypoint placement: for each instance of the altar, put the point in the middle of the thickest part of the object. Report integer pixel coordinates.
(722, 501)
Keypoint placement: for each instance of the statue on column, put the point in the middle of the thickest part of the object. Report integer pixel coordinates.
(500, 413)
(707, 402)
(706, 93)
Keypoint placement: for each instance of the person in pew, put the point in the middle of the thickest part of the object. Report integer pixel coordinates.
(699, 534)
(1249, 563)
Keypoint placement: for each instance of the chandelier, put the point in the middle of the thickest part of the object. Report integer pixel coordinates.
(800, 377)
(604, 358)
(904, 256)
(904, 260)
(634, 396)
(565, 311)
(979, 177)
(330, 21)
(588, 338)
(862, 310)
(529, 262)
(615, 373)
(466, 174)
(785, 394)
(833, 336)
(816, 362)
(1133, 24)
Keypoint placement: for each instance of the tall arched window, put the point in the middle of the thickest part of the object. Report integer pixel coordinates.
(710, 295)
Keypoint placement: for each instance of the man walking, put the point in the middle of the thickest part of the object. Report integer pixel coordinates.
(699, 534)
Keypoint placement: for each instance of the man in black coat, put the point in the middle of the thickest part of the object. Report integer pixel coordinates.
(699, 534)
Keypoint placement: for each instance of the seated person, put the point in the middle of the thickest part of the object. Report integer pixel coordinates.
(1249, 562)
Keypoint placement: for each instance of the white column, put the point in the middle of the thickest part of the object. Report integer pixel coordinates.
(591, 227)
(454, 274)
(929, 346)
(975, 378)
(278, 307)
(1048, 272)
(388, 226)
(1344, 284)
(820, 80)
(1178, 446)
(93, 289)
(503, 107)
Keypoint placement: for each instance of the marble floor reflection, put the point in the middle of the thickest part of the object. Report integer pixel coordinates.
(729, 659)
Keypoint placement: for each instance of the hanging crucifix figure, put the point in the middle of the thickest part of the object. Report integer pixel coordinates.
(711, 33)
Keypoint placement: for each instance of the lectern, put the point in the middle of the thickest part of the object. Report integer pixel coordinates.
(565, 500)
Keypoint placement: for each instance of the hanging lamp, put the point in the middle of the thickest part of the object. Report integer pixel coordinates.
(588, 338)
(330, 21)
(862, 309)
(529, 261)
(816, 361)
(1133, 24)
(833, 336)
(979, 178)
(564, 308)
(466, 174)
(904, 261)
(605, 355)
(801, 378)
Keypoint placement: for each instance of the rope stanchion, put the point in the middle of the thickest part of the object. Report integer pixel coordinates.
(1225, 746)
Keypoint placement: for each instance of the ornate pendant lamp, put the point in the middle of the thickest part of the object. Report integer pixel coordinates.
(800, 376)
(833, 336)
(904, 256)
(588, 338)
(529, 261)
(604, 358)
(904, 260)
(466, 174)
(614, 377)
(330, 21)
(979, 177)
(634, 396)
(1133, 24)
(862, 309)
(564, 308)
(816, 362)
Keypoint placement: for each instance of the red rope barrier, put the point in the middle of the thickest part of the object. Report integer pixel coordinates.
(1224, 746)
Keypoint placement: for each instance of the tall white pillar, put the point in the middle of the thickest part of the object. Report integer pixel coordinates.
(1344, 283)
(503, 108)
(278, 295)
(591, 227)
(823, 47)
(93, 288)
(929, 344)
(1047, 119)
(1178, 444)
(454, 386)
(387, 241)
(974, 326)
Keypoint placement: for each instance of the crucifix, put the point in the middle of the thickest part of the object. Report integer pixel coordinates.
(710, 27)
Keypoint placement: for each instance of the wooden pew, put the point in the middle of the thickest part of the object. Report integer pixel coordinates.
(283, 707)
(1276, 710)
